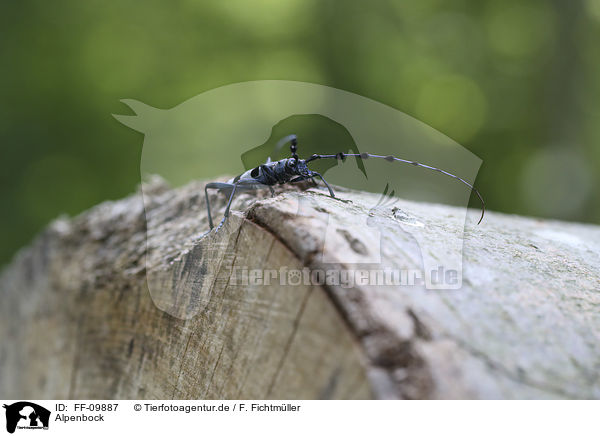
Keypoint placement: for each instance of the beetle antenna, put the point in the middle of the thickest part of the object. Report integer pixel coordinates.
(293, 140)
(294, 148)
(364, 156)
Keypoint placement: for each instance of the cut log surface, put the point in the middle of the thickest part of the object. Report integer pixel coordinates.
(135, 299)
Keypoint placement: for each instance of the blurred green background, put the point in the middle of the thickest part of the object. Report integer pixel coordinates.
(515, 82)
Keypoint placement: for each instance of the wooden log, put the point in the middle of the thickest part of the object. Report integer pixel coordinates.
(133, 299)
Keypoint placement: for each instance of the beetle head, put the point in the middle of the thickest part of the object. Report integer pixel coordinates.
(298, 167)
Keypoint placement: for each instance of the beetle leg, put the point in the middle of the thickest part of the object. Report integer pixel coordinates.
(214, 185)
(331, 193)
(230, 189)
(226, 214)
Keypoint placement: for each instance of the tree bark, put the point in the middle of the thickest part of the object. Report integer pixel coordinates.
(135, 299)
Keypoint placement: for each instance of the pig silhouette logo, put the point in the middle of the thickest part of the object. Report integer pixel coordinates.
(26, 415)
(227, 129)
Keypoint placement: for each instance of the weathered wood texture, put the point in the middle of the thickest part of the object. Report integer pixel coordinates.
(127, 301)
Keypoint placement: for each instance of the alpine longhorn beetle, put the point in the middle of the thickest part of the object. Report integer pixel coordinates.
(294, 169)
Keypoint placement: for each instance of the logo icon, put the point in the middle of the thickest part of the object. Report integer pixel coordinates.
(26, 415)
